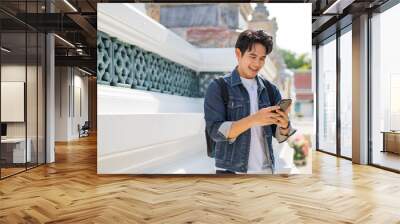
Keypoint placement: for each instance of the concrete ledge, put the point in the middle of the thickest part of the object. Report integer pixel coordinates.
(151, 143)
(116, 100)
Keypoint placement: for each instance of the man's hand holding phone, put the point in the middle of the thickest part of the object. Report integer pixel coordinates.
(266, 116)
(278, 115)
(283, 120)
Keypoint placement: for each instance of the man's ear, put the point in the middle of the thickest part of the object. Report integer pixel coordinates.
(238, 53)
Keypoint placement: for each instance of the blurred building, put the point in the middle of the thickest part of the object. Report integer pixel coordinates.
(204, 25)
(304, 94)
(210, 25)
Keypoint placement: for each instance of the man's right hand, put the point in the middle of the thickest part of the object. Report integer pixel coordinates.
(266, 116)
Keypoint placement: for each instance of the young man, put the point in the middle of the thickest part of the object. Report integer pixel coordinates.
(243, 128)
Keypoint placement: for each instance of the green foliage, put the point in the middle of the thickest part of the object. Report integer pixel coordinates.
(295, 61)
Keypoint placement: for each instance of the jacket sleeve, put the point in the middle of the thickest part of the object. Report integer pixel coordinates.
(215, 114)
(275, 129)
(281, 138)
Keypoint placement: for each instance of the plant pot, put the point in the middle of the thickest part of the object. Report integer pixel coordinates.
(300, 162)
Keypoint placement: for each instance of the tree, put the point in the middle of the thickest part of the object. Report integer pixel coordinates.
(295, 61)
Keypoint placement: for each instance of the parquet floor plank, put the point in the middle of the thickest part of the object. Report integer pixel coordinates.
(70, 191)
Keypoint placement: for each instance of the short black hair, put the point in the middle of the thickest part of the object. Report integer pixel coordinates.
(248, 38)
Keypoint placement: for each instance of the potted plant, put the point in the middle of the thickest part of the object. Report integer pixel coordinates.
(301, 146)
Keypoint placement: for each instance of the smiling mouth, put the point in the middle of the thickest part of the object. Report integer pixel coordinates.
(253, 70)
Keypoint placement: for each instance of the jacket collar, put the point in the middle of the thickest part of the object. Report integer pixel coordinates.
(235, 80)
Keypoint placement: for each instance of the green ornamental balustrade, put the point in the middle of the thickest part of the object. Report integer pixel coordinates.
(125, 65)
(104, 55)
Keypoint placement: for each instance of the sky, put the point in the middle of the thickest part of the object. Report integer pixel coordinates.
(294, 25)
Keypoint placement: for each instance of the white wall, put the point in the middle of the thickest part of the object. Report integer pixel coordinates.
(67, 114)
(61, 103)
(12, 73)
(140, 6)
(148, 132)
(79, 117)
(116, 100)
(162, 143)
(33, 127)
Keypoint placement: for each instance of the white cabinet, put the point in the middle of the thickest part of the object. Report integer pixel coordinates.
(18, 149)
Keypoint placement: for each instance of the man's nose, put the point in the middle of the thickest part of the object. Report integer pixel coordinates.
(259, 64)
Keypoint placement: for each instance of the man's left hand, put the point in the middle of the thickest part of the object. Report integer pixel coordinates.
(283, 121)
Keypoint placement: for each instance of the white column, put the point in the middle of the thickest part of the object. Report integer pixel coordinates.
(360, 90)
(50, 99)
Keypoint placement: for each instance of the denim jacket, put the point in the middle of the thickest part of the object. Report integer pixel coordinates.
(233, 154)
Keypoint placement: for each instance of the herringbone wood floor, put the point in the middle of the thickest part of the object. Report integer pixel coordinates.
(70, 191)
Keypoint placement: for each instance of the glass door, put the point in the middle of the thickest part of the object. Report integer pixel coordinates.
(327, 96)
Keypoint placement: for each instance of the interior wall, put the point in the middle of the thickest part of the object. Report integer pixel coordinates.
(62, 81)
(80, 102)
(17, 73)
(71, 102)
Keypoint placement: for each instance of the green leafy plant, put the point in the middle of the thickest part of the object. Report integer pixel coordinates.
(301, 146)
(296, 61)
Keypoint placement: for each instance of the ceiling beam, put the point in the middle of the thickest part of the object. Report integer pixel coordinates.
(89, 30)
(83, 61)
(338, 6)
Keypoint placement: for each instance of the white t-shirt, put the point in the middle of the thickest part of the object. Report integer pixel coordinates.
(258, 160)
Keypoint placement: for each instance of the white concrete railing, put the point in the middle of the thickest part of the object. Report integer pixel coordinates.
(116, 100)
(152, 144)
(143, 132)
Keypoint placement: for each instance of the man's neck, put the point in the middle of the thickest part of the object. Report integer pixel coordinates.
(242, 74)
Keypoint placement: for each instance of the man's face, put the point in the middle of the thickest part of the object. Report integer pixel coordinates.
(251, 61)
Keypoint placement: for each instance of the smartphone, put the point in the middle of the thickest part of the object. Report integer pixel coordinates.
(284, 104)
